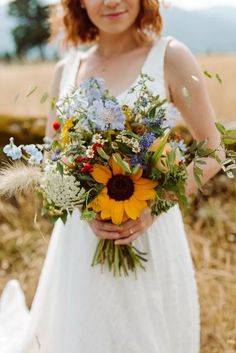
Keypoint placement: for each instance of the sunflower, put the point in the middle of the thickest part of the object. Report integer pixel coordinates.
(123, 195)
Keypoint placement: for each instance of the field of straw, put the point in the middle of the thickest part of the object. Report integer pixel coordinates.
(210, 222)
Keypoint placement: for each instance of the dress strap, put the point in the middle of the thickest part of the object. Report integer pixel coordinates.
(155, 63)
(70, 67)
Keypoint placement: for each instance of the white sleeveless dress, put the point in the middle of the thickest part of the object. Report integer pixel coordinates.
(76, 309)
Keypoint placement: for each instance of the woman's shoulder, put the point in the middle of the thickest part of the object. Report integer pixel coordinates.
(180, 60)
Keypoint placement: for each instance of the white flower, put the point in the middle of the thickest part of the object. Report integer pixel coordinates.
(90, 152)
(63, 192)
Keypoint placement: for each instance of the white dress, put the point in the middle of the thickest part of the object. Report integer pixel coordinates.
(76, 309)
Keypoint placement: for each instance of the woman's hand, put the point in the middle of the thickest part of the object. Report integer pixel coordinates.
(105, 229)
(132, 229)
(125, 233)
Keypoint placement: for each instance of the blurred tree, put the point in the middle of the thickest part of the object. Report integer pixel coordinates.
(33, 28)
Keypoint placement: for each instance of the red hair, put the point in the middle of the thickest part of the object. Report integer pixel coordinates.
(79, 29)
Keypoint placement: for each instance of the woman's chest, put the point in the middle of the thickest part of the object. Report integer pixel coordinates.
(119, 73)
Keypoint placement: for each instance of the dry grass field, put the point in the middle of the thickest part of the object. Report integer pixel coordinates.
(210, 222)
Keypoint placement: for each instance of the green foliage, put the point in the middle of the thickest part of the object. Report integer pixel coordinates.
(161, 206)
(87, 215)
(32, 29)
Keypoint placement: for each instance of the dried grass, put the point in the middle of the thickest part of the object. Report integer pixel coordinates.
(211, 230)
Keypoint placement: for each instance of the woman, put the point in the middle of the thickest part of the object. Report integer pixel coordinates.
(76, 308)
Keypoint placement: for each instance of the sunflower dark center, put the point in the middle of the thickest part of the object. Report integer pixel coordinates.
(120, 187)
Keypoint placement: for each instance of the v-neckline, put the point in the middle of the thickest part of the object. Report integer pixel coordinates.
(146, 60)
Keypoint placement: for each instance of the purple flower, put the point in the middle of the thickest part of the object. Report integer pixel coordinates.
(152, 122)
(146, 141)
(138, 159)
(106, 115)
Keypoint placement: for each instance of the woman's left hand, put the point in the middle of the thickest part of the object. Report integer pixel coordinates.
(132, 229)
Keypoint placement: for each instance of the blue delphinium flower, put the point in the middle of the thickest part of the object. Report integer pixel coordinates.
(152, 122)
(93, 88)
(12, 150)
(107, 115)
(138, 159)
(36, 156)
(179, 144)
(30, 149)
(146, 141)
(172, 115)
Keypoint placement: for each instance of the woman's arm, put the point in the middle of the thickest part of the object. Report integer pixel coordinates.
(183, 74)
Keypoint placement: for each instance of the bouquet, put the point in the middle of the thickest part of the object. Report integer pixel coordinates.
(110, 159)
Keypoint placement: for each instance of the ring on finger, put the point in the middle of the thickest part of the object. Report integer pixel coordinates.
(131, 231)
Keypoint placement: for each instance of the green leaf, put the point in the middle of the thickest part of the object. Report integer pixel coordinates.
(220, 128)
(206, 73)
(200, 161)
(160, 149)
(229, 141)
(102, 153)
(53, 103)
(87, 215)
(171, 157)
(60, 168)
(44, 98)
(135, 169)
(218, 78)
(123, 164)
(31, 91)
(64, 217)
(197, 174)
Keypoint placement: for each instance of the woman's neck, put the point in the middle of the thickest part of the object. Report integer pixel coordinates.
(114, 44)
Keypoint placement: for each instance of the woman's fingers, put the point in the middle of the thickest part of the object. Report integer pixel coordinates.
(130, 224)
(107, 226)
(107, 235)
(128, 240)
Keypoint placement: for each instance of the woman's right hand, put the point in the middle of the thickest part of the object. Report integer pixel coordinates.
(105, 229)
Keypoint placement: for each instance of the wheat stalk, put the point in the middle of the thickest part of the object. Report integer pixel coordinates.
(17, 178)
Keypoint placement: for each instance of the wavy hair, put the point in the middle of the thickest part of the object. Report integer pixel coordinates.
(79, 29)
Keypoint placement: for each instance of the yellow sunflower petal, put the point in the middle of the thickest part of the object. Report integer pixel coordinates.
(101, 173)
(106, 211)
(146, 183)
(117, 212)
(116, 169)
(144, 194)
(101, 201)
(136, 176)
(139, 204)
(131, 210)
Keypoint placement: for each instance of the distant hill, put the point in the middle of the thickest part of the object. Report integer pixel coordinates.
(204, 31)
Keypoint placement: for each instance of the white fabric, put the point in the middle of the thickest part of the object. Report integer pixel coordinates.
(78, 309)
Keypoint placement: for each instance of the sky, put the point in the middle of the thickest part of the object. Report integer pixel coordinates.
(187, 4)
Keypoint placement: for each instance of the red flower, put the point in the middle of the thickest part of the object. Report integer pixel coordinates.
(95, 146)
(56, 125)
(87, 168)
(79, 159)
